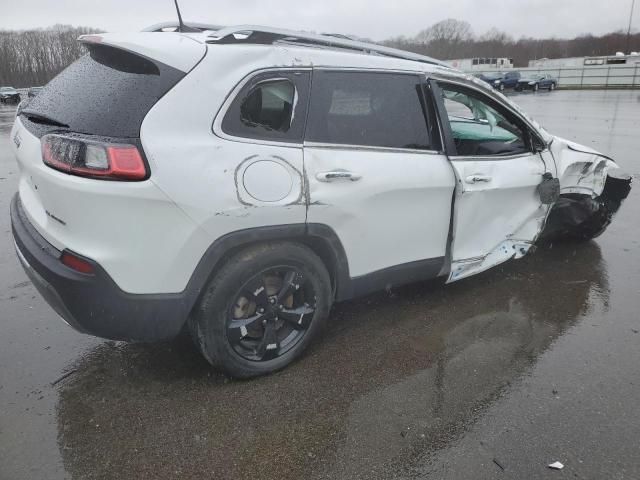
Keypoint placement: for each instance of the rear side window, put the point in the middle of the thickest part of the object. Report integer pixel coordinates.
(368, 109)
(107, 92)
(271, 106)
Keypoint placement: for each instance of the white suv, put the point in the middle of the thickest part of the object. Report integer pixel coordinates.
(240, 180)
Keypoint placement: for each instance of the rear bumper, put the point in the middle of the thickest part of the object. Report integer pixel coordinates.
(94, 304)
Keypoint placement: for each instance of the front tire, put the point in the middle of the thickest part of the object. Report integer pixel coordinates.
(552, 87)
(536, 87)
(262, 309)
(501, 87)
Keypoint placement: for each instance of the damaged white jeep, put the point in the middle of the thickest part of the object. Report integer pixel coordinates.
(238, 181)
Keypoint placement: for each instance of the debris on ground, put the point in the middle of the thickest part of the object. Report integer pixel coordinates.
(556, 466)
(495, 460)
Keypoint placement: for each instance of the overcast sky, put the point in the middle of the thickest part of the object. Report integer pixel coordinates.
(376, 19)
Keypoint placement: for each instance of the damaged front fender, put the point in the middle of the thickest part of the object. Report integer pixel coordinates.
(592, 188)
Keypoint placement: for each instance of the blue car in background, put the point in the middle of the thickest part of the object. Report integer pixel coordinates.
(536, 81)
(490, 78)
(501, 80)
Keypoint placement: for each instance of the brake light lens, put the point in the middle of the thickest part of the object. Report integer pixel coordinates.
(76, 263)
(88, 158)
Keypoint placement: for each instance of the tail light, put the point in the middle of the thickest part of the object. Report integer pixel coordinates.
(96, 159)
(76, 262)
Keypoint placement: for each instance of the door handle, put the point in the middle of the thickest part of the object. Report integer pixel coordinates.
(478, 178)
(334, 175)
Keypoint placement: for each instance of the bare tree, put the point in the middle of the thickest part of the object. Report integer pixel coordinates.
(452, 38)
(449, 30)
(33, 57)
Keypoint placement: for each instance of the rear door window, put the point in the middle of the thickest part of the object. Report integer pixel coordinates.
(106, 92)
(368, 109)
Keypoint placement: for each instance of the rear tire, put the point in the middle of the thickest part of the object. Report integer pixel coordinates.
(552, 87)
(262, 309)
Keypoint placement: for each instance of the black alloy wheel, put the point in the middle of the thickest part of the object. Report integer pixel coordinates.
(262, 308)
(270, 314)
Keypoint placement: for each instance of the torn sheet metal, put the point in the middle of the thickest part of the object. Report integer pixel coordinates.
(582, 216)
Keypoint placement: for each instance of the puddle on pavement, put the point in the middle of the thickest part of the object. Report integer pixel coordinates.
(395, 377)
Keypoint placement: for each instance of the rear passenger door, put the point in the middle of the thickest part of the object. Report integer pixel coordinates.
(376, 173)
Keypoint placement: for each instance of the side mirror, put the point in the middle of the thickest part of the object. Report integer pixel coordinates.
(537, 144)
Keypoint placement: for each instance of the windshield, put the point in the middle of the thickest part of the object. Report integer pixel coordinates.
(493, 76)
(7, 89)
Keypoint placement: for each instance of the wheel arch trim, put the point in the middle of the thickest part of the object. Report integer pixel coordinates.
(319, 237)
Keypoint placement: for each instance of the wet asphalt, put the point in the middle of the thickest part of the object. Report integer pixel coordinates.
(493, 377)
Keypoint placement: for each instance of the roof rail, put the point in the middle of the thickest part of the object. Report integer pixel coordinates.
(168, 26)
(265, 35)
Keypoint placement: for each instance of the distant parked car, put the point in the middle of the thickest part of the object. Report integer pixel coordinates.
(33, 91)
(500, 80)
(537, 81)
(508, 80)
(492, 78)
(9, 95)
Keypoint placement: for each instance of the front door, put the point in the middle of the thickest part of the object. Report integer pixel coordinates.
(498, 212)
(376, 175)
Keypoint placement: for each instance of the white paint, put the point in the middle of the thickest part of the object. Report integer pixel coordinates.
(204, 172)
(174, 49)
(581, 169)
(267, 180)
(149, 236)
(141, 238)
(398, 212)
(497, 219)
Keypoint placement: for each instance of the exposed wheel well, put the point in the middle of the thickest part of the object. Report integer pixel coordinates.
(319, 246)
(321, 239)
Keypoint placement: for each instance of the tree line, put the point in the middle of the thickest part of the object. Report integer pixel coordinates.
(33, 57)
(455, 39)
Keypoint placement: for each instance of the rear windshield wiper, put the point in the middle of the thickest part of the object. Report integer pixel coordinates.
(42, 118)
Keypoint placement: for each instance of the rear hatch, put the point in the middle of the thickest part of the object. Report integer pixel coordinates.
(99, 101)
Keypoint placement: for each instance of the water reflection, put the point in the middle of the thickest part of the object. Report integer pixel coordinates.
(394, 378)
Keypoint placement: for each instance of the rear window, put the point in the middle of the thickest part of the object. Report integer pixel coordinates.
(106, 92)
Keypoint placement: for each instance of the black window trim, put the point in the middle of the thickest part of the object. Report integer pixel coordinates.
(422, 81)
(216, 126)
(530, 130)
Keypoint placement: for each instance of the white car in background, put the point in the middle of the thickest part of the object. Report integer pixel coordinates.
(241, 180)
